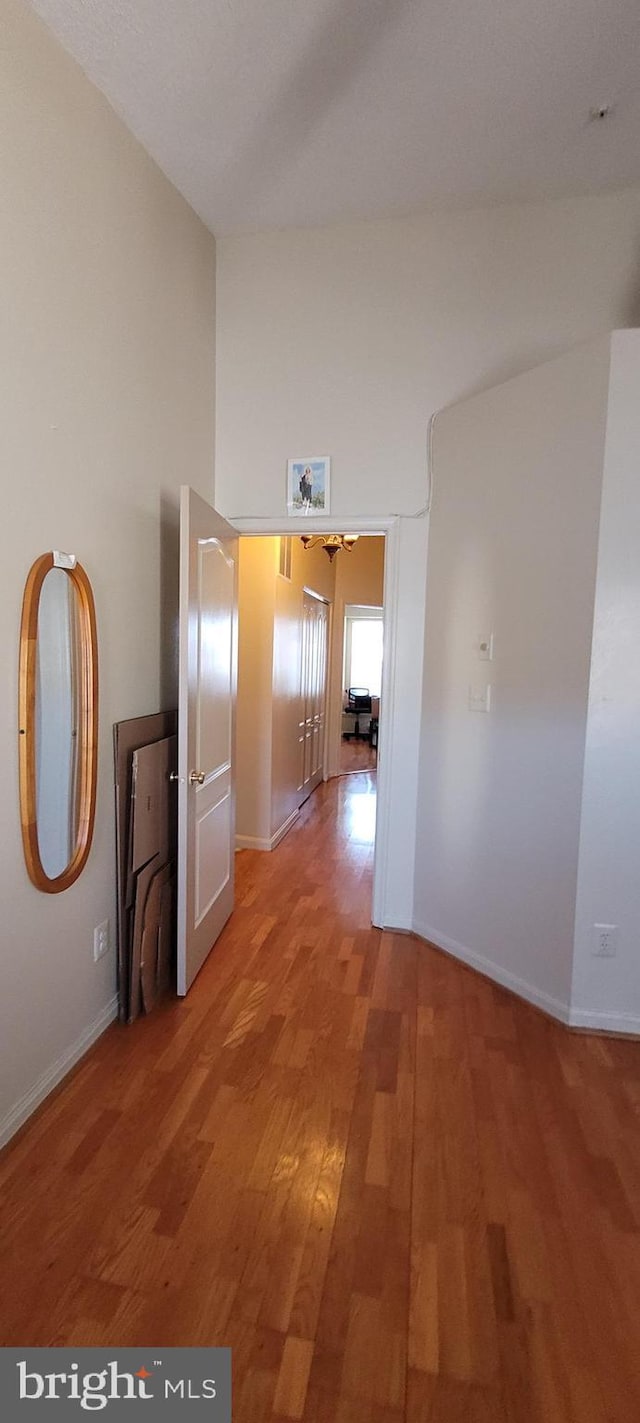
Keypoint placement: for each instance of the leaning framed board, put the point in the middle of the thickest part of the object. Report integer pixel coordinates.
(135, 835)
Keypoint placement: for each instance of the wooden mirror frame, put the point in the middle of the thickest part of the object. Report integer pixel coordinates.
(87, 724)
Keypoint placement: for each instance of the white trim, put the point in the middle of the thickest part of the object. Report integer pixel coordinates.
(388, 725)
(319, 597)
(497, 973)
(604, 1022)
(356, 524)
(255, 842)
(32, 1099)
(284, 828)
(397, 927)
(620, 1023)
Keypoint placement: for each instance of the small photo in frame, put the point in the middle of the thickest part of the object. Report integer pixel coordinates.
(308, 486)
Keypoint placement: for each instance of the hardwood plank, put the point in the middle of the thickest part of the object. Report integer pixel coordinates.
(399, 1194)
(293, 1379)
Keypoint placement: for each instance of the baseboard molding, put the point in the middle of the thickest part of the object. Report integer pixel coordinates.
(253, 842)
(620, 1024)
(32, 1099)
(489, 969)
(284, 828)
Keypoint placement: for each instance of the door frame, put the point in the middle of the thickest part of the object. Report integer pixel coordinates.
(389, 726)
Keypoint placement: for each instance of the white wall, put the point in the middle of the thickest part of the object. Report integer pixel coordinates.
(107, 353)
(513, 550)
(606, 991)
(345, 340)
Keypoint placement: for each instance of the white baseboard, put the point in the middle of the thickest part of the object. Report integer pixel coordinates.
(32, 1099)
(496, 972)
(254, 842)
(284, 829)
(619, 1023)
(605, 1022)
(251, 842)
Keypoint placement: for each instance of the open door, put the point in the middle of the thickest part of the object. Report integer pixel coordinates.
(206, 708)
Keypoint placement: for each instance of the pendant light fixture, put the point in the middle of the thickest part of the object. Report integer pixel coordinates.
(331, 543)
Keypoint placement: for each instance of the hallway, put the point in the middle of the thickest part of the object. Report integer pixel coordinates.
(356, 755)
(396, 1191)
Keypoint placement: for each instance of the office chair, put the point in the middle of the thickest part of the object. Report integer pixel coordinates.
(359, 699)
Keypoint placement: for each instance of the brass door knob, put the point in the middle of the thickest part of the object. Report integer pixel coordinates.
(197, 778)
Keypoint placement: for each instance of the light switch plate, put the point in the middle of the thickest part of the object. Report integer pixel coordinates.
(479, 699)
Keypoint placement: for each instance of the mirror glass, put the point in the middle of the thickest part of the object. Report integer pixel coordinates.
(56, 716)
(58, 721)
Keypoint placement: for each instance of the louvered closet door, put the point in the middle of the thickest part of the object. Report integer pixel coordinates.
(313, 687)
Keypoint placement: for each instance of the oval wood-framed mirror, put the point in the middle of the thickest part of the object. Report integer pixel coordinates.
(58, 721)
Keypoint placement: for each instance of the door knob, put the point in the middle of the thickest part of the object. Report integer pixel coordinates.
(173, 776)
(197, 778)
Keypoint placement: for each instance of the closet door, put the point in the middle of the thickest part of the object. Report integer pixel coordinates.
(313, 689)
(302, 724)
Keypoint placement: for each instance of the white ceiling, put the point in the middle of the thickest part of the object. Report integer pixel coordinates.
(279, 113)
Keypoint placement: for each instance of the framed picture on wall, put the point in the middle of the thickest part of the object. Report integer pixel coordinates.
(308, 486)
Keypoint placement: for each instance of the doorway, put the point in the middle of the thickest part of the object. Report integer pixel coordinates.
(400, 701)
(393, 867)
(291, 674)
(362, 682)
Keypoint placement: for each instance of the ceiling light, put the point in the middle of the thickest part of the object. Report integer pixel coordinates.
(331, 543)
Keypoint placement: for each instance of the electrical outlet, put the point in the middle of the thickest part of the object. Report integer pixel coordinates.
(101, 940)
(479, 699)
(605, 940)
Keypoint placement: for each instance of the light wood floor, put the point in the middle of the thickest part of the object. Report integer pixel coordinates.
(397, 1192)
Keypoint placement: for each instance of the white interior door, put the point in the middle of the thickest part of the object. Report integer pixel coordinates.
(206, 712)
